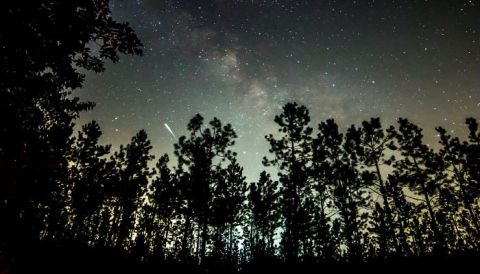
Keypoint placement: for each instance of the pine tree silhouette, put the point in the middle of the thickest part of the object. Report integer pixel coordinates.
(263, 217)
(323, 145)
(165, 203)
(452, 154)
(89, 175)
(419, 169)
(201, 159)
(372, 148)
(291, 152)
(133, 176)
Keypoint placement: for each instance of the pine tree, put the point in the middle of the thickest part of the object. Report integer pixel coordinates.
(472, 152)
(419, 168)
(89, 174)
(452, 153)
(263, 217)
(352, 197)
(165, 202)
(372, 148)
(291, 155)
(403, 211)
(202, 157)
(156, 215)
(348, 186)
(325, 244)
(133, 177)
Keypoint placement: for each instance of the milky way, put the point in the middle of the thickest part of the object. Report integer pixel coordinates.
(242, 60)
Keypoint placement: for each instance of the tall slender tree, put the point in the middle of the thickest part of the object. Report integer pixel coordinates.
(291, 155)
(372, 150)
(419, 168)
(349, 189)
(166, 202)
(227, 203)
(263, 217)
(157, 214)
(452, 154)
(324, 149)
(133, 177)
(403, 211)
(201, 158)
(89, 172)
(342, 176)
(472, 151)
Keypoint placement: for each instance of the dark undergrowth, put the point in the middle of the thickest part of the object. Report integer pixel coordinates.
(52, 258)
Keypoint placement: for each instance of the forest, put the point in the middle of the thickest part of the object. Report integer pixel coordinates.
(369, 194)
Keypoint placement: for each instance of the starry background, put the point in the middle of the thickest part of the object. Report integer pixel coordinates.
(241, 60)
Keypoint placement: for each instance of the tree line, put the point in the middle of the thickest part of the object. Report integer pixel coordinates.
(369, 193)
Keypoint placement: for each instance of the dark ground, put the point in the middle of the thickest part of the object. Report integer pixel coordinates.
(49, 258)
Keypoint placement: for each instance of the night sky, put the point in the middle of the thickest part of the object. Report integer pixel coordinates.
(241, 60)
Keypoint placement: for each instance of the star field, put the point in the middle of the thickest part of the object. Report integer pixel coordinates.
(241, 60)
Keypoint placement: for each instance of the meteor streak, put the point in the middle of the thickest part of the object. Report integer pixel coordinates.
(170, 130)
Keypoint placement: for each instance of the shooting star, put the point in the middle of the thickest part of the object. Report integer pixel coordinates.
(170, 130)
